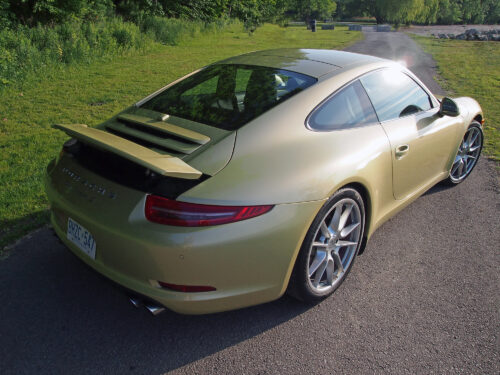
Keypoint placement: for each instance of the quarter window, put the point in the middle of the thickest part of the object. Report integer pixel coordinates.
(348, 108)
(394, 94)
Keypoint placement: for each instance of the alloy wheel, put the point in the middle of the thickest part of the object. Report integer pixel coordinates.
(467, 155)
(334, 246)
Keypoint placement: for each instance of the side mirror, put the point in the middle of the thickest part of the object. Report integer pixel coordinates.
(448, 108)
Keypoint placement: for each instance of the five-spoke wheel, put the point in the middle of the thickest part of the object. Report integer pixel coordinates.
(467, 154)
(330, 247)
(335, 244)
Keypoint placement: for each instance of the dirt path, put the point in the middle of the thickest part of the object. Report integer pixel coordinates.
(400, 47)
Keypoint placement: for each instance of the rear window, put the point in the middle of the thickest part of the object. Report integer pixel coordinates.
(229, 96)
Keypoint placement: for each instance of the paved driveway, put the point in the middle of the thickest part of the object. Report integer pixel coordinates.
(423, 298)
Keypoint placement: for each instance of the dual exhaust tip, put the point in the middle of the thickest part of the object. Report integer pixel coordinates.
(150, 306)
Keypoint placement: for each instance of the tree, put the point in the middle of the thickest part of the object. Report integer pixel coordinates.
(32, 12)
(395, 11)
(307, 10)
(492, 11)
(449, 12)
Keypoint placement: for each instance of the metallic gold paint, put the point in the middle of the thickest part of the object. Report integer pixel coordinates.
(275, 159)
(160, 163)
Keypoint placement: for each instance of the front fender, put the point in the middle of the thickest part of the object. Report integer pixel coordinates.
(469, 110)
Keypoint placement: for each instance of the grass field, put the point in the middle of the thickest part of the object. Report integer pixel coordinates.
(471, 69)
(92, 93)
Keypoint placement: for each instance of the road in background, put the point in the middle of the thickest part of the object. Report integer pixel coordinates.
(423, 298)
(400, 47)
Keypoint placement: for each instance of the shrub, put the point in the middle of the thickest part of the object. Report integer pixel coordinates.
(25, 51)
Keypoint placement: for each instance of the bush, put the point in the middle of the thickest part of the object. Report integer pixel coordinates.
(25, 51)
(170, 31)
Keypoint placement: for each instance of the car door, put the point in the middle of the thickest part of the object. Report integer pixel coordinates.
(420, 139)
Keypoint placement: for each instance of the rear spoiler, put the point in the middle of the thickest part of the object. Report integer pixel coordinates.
(162, 164)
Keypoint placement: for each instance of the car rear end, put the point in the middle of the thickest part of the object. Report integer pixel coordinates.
(116, 196)
(188, 269)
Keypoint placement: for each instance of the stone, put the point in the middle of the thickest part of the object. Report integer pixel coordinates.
(383, 28)
(471, 31)
(327, 27)
(443, 36)
(451, 36)
(461, 37)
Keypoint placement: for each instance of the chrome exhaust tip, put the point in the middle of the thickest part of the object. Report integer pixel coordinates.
(154, 309)
(135, 301)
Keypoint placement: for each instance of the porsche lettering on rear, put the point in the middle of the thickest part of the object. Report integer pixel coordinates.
(89, 185)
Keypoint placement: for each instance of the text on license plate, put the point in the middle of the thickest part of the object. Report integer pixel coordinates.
(81, 237)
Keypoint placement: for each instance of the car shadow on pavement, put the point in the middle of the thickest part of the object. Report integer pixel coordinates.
(59, 316)
(439, 187)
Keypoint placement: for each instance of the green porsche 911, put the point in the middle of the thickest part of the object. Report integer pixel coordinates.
(256, 175)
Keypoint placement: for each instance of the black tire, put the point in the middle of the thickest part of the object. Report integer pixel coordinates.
(465, 157)
(302, 284)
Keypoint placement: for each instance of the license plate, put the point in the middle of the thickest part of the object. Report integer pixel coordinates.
(81, 237)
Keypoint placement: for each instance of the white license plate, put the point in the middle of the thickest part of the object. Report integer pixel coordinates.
(81, 237)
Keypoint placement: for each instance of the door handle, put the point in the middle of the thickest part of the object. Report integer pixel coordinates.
(401, 151)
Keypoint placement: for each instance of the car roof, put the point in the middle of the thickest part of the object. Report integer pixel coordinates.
(312, 62)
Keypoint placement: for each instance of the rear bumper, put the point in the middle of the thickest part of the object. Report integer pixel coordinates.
(248, 262)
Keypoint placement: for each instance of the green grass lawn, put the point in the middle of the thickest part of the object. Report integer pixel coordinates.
(92, 93)
(471, 69)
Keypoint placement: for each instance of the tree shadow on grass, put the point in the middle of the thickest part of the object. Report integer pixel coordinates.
(11, 230)
(59, 316)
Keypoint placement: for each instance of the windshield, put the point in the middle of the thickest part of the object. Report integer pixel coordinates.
(229, 96)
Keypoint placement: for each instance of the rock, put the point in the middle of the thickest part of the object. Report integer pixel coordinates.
(482, 37)
(471, 31)
(327, 27)
(383, 28)
(451, 36)
(461, 37)
(443, 36)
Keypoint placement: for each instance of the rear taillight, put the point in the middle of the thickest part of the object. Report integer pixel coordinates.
(169, 212)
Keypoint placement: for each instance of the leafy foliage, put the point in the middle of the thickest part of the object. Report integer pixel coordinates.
(423, 11)
(25, 51)
(33, 12)
(311, 9)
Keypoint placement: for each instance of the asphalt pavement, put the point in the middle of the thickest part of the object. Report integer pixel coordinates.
(423, 298)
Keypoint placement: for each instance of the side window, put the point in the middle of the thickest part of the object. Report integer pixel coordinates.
(394, 94)
(348, 108)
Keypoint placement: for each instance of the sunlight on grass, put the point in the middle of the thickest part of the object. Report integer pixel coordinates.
(471, 69)
(92, 93)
